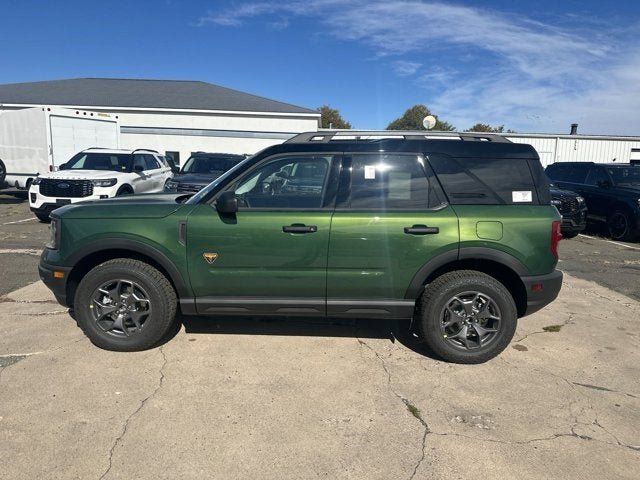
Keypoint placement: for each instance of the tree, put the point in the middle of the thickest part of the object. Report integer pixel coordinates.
(485, 127)
(331, 118)
(412, 119)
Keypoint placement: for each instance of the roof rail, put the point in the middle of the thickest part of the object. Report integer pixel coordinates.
(144, 150)
(325, 136)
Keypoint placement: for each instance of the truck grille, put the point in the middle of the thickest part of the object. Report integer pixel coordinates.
(568, 204)
(189, 188)
(66, 188)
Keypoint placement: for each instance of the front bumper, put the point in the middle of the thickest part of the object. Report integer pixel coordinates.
(575, 222)
(541, 290)
(57, 284)
(42, 203)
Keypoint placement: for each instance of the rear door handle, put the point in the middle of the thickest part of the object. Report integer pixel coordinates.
(299, 228)
(421, 230)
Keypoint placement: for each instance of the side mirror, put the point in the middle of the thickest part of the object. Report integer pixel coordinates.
(227, 202)
(62, 166)
(138, 168)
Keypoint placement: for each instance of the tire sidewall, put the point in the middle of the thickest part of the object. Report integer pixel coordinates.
(154, 327)
(627, 234)
(483, 284)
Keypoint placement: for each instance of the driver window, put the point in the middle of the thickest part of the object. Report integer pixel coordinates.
(291, 182)
(596, 176)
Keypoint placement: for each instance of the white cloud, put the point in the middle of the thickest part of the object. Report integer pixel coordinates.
(520, 72)
(405, 68)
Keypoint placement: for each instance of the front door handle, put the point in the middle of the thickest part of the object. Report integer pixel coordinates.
(421, 230)
(300, 228)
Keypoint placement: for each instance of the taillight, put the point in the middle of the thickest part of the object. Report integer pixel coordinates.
(556, 236)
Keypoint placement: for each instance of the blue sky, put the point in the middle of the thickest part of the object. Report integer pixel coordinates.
(532, 66)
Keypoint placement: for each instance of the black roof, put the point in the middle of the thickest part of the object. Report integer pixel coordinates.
(119, 92)
(455, 148)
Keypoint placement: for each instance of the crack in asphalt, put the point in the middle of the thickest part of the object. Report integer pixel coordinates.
(407, 403)
(134, 413)
(604, 389)
(568, 321)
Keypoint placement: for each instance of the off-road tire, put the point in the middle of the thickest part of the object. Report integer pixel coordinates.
(160, 292)
(434, 299)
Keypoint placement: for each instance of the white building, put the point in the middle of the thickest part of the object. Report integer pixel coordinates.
(580, 148)
(172, 117)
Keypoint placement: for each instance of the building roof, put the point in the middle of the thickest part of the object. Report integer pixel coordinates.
(134, 93)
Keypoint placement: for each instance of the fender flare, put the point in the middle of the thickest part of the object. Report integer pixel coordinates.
(105, 244)
(464, 253)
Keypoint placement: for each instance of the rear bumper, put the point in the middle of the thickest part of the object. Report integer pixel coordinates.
(57, 285)
(541, 290)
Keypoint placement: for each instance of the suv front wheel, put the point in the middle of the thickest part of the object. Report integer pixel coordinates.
(125, 305)
(466, 316)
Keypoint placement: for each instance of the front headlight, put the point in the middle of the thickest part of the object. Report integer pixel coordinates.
(54, 234)
(36, 181)
(580, 199)
(109, 182)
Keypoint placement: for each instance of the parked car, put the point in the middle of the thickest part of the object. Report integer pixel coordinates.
(611, 191)
(459, 236)
(3, 174)
(98, 173)
(200, 170)
(573, 209)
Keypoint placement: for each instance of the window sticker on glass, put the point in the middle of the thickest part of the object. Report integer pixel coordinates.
(521, 196)
(369, 172)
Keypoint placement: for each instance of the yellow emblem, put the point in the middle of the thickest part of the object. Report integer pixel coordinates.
(210, 257)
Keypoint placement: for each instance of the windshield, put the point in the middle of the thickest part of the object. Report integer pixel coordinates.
(625, 175)
(117, 162)
(209, 165)
(229, 173)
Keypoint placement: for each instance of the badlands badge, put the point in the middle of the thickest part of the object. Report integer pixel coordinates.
(210, 257)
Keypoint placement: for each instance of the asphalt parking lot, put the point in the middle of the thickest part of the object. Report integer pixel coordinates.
(230, 398)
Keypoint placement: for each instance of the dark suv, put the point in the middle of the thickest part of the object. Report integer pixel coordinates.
(200, 170)
(573, 209)
(458, 235)
(612, 193)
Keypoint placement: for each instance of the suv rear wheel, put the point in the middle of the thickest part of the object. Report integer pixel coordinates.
(125, 305)
(466, 317)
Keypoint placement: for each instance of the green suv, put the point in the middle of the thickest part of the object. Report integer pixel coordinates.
(454, 232)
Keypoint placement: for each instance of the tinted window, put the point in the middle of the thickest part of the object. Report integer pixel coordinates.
(388, 182)
(596, 176)
(151, 163)
(209, 165)
(625, 175)
(100, 161)
(173, 157)
(291, 182)
(485, 181)
(138, 161)
(567, 172)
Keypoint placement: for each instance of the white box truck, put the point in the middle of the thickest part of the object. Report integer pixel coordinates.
(37, 140)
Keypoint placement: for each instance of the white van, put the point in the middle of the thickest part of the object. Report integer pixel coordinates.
(37, 140)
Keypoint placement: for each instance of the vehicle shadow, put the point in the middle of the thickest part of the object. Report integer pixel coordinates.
(392, 330)
(12, 198)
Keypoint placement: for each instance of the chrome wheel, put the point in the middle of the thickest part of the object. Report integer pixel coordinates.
(470, 320)
(120, 308)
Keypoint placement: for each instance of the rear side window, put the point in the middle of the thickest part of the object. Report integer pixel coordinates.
(394, 182)
(485, 181)
(567, 172)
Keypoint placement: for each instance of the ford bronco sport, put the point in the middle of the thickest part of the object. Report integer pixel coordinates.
(455, 232)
